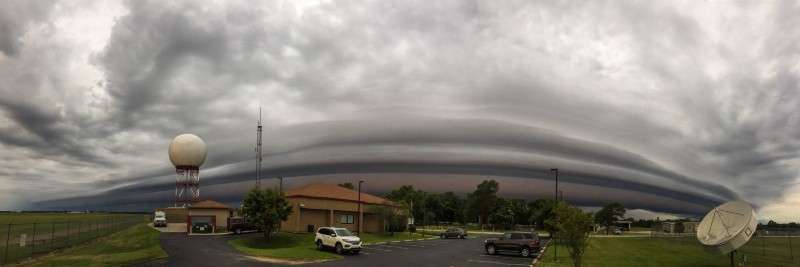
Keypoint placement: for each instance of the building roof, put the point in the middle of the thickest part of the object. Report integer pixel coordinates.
(336, 192)
(209, 204)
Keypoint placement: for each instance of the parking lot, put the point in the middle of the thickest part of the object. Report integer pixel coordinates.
(436, 252)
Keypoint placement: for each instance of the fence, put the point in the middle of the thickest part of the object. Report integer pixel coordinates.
(20, 241)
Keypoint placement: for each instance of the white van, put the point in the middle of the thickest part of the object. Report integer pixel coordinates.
(160, 219)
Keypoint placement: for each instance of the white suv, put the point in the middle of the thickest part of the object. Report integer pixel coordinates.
(339, 238)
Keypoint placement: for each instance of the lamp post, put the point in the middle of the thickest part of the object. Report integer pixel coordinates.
(555, 214)
(360, 215)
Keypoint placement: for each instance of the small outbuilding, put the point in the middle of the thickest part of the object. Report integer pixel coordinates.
(206, 216)
(318, 204)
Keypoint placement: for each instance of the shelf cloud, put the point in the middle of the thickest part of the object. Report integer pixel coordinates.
(668, 108)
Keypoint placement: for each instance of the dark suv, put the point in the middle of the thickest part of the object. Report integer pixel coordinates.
(237, 225)
(525, 244)
(454, 232)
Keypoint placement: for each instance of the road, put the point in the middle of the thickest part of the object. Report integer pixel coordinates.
(423, 253)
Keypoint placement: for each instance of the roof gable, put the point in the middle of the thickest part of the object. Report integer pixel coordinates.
(209, 204)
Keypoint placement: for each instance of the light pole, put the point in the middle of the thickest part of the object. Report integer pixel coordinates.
(360, 216)
(555, 214)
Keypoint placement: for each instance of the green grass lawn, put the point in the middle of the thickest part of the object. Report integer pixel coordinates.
(288, 246)
(135, 244)
(24, 217)
(677, 252)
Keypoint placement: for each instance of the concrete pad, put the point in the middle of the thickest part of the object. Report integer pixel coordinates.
(171, 228)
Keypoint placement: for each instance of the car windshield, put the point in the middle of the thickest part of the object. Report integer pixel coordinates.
(343, 232)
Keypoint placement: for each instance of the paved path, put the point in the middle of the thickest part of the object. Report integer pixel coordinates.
(201, 251)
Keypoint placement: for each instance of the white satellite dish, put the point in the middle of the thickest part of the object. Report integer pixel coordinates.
(728, 226)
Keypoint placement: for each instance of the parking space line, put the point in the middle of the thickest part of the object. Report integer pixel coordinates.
(498, 263)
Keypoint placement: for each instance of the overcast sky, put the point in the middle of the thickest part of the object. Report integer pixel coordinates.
(665, 106)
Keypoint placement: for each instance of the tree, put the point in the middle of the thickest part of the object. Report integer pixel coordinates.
(609, 214)
(348, 185)
(574, 227)
(543, 214)
(502, 214)
(266, 209)
(413, 198)
(392, 217)
(452, 207)
(483, 200)
(522, 213)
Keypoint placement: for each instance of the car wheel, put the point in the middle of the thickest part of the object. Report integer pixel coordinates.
(490, 250)
(443, 236)
(319, 245)
(339, 248)
(460, 237)
(525, 252)
(238, 231)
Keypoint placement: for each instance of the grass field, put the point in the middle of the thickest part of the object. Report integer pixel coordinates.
(136, 244)
(14, 217)
(767, 252)
(283, 246)
(43, 232)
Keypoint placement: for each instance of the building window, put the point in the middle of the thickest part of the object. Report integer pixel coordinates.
(346, 218)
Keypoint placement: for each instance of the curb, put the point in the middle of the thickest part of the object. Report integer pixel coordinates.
(539, 256)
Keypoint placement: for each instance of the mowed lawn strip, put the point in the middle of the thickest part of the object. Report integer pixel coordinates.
(679, 252)
(287, 246)
(136, 244)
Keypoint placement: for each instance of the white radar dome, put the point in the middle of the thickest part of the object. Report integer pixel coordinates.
(728, 226)
(187, 151)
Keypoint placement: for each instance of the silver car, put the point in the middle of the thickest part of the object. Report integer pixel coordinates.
(454, 233)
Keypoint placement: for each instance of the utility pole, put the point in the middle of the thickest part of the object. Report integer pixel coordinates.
(360, 215)
(555, 214)
(280, 184)
(259, 157)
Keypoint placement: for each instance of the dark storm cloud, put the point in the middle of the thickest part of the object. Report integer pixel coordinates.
(645, 97)
(42, 130)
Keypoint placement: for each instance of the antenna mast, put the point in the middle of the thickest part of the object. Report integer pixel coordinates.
(258, 151)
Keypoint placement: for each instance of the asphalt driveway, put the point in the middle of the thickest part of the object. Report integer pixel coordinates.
(200, 251)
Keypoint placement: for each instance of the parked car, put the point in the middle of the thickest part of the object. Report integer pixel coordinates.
(340, 239)
(160, 219)
(617, 231)
(202, 227)
(454, 232)
(519, 242)
(239, 225)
